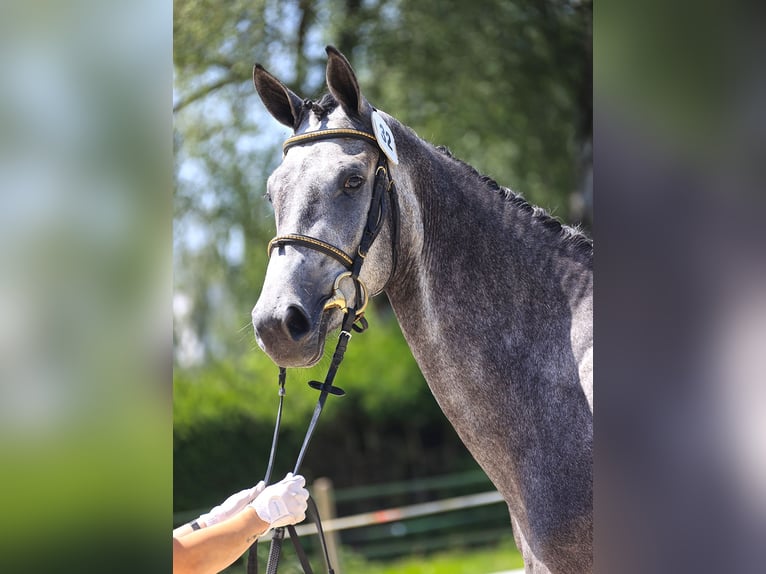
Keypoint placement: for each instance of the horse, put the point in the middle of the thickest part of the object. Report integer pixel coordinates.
(493, 296)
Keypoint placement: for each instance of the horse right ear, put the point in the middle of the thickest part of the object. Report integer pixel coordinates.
(281, 102)
(342, 82)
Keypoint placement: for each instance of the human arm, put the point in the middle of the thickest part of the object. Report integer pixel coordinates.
(228, 508)
(213, 547)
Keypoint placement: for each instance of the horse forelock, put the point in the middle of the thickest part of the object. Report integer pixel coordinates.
(320, 108)
(565, 234)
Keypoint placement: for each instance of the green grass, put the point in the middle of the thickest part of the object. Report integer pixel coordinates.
(484, 561)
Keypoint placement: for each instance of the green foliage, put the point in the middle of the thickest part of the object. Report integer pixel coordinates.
(378, 368)
(505, 85)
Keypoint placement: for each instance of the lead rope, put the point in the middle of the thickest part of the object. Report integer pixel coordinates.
(375, 219)
(325, 389)
(252, 558)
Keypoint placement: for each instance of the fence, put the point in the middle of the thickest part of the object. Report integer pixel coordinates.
(390, 531)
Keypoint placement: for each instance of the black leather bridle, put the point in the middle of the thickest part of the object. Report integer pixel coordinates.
(382, 202)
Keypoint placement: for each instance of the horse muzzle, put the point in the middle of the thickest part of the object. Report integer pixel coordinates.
(288, 334)
(292, 331)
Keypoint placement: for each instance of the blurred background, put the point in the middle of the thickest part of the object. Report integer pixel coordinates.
(506, 86)
(85, 285)
(92, 153)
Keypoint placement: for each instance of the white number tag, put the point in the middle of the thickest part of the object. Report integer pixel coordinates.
(385, 137)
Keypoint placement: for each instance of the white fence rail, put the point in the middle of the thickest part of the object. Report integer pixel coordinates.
(401, 513)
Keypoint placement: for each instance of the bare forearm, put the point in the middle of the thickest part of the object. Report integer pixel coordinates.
(183, 530)
(212, 549)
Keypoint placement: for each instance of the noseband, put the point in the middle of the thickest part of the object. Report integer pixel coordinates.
(376, 215)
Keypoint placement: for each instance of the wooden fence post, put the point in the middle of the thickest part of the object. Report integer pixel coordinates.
(323, 495)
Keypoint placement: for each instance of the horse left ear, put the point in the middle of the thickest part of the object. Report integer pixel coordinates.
(343, 85)
(279, 100)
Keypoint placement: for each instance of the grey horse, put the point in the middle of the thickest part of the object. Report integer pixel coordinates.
(493, 295)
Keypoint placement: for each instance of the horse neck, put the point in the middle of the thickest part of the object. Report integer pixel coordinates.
(469, 255)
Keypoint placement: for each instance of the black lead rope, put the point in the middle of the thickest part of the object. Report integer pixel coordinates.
(275, 438)
(252, 557)
(375, 218)
(313, 513)
(325, 389)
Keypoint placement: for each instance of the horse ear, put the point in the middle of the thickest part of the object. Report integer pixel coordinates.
(342, 83)
(281, 102)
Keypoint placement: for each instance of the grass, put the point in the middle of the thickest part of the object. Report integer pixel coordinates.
(483, 561)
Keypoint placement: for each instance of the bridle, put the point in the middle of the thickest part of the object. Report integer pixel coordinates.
(382, 202)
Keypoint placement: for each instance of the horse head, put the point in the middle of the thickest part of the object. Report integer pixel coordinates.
(322, 195)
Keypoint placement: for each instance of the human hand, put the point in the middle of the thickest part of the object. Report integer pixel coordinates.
(284, 502)
(232, 505)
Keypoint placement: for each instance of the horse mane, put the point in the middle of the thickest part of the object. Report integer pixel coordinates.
(565, 234)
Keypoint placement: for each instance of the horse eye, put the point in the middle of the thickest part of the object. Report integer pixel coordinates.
(354, 182)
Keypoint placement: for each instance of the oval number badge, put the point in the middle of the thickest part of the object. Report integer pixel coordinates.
(385, 137)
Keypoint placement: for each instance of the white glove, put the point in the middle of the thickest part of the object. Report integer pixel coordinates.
(283, 503)
(232, 505)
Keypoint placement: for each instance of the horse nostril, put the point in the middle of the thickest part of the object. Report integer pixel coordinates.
(296, 322)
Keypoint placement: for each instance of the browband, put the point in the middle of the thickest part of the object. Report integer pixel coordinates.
(328, 134)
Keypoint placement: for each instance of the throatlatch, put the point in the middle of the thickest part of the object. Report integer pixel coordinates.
(353, 319)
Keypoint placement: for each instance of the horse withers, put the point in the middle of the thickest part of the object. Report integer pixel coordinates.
(493, 296)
